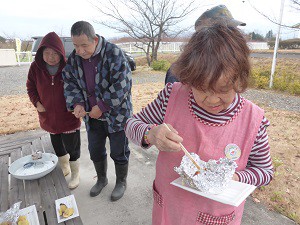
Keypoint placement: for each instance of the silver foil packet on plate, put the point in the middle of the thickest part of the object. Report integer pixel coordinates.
(37, 155)
(213, 177)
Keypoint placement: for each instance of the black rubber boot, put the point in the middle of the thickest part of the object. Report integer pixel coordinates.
(121, 174)
(101, 169)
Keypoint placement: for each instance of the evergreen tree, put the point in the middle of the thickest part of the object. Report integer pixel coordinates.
(2, 39)
(256, 37)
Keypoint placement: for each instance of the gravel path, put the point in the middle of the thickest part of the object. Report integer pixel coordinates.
(13, 82)
(274, 100)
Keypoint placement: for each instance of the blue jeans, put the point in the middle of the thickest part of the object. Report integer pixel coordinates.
(97, 134)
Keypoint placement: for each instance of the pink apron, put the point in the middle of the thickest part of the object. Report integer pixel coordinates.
(175, 206)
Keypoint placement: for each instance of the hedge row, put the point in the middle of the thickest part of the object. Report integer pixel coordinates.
(286, 44)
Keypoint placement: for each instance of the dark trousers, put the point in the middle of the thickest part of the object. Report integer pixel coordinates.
(97, 134)
(67, 143)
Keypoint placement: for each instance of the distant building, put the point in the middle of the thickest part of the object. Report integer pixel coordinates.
(262, 45)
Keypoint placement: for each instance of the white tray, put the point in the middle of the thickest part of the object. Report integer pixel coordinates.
(31, 215)
(70, 202)
(26, 168)
(234, 194)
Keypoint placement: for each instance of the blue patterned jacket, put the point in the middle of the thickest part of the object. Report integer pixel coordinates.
(113, 84)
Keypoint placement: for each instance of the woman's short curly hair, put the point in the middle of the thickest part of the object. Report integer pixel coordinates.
(212, 52)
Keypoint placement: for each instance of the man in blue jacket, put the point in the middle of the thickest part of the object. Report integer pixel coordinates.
(97, 87)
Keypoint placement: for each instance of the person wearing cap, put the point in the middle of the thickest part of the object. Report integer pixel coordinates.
(216, 15)
(206, 114)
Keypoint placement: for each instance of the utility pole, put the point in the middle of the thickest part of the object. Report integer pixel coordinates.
(276, 45)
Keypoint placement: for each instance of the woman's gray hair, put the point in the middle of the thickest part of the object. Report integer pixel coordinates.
(83, 27)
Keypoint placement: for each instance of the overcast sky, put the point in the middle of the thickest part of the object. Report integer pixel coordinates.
(24, 19)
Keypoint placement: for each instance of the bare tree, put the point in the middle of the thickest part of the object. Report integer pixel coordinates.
(146, 21)
(295, 4)
(9, 36)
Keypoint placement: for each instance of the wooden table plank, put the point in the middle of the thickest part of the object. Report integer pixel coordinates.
(15, 144)
(60, 183)
(4, 183)
(47, 190)
(16, 192)
(59, 180)
(7, 151)
(32, 188)
(31, 135)
(48, 200)
(32, 197)
(75, 221)
(41, 192)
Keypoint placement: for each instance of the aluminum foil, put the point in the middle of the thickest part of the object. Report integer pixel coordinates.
(213, 177)
(37, 155)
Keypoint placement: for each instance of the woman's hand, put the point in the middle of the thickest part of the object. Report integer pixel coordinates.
(40, 107)
(235, 177)
(164, 139)
(79, 111)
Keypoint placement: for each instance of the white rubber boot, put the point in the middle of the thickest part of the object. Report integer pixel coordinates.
(64, 164)
(74, 182)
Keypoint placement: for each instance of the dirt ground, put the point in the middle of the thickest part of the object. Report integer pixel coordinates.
(18, 114)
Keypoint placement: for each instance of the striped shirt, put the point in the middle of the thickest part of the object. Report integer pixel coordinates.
(259, 170)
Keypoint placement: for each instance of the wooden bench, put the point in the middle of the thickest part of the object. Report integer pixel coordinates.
(41, 192)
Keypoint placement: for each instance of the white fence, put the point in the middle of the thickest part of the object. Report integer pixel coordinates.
(7, 57)
(27, 55)
(258, 45)
(133, 47)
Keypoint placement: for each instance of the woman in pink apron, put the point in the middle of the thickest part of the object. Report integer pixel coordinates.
(205, 113)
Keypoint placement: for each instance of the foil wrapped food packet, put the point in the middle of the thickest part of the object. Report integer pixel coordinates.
(11, 215)
(213, 177)
(37, 155)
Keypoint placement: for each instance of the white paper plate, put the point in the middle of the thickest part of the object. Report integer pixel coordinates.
(26, 168)
(234, 194)
(31, 215)
(70, 202)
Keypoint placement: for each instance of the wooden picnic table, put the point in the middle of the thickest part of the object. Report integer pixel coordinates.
(39, 192)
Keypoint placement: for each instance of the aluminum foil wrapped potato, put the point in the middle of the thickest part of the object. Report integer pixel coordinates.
(213, 177)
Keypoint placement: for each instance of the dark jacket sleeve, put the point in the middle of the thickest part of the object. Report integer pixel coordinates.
(31, 87)
(170, 78)
(72, 91)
